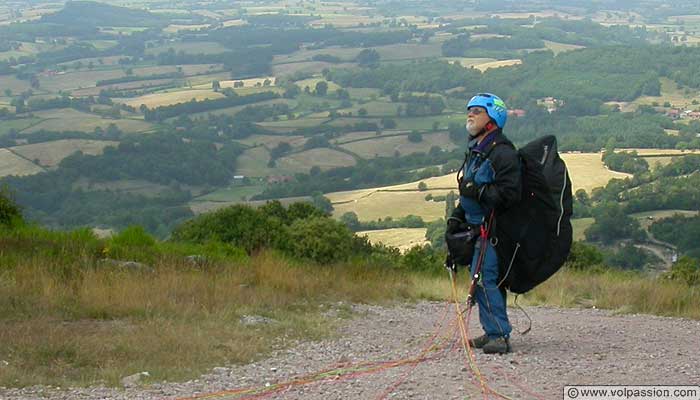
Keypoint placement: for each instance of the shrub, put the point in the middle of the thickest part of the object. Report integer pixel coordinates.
(239, 225)
(584, 256)
(320, 239)
(10, 213)
(685, 270)
(424, 259)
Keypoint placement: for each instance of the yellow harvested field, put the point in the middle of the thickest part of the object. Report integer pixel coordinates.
(12, 164)
(49, 154)
(177, 28)
(659, 152)
(392, 204)
(497, 64)
(168, 98)
(321, 157)
(234, 22)
(468, 61)
(587, 171)
(557, 47)
(401, 238)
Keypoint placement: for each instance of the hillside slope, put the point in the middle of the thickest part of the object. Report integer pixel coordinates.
(566, 346)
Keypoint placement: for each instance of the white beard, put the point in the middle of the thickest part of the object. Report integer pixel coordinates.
(472, 129)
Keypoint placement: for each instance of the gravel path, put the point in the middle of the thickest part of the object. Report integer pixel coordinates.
(565, 346)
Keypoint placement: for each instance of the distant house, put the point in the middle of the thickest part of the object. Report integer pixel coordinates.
(550, 103)
(673, 113)
(277, 179)
(517, 112)
(694, 115)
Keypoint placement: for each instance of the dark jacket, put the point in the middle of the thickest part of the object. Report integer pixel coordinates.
(504, 186)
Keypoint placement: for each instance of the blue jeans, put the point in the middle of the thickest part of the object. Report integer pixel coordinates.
(491, 299)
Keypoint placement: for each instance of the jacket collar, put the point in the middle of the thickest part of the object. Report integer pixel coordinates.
(492, 138)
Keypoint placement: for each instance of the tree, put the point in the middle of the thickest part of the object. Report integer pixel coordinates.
(388, 123)
(362, 112)
(368, 58)
(321, 202)
(422, 186)
(611, 224)
(321, 88)
(415, 137)
(350, 220)
(216, 86)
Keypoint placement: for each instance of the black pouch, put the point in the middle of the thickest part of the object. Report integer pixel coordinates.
(461, 244)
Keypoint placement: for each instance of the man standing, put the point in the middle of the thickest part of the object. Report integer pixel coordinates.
(491, 180)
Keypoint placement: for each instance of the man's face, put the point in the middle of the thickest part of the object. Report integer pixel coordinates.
(477, 118)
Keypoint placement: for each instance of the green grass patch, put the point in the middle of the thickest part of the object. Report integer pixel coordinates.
(17, 124)
(231, 194)
(580, 225)
(425, 123)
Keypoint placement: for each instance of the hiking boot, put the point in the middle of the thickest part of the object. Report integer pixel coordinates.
(499, 345)
(479, 342)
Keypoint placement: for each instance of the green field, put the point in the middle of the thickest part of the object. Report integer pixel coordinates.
(426, 123)
(387, 147)
(374, 109)
(68, 119)
(188, 48)
(17, 124)
(231, 194)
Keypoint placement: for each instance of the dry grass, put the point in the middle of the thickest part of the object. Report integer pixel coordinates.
(12, 164)
(169, 98)
(74, 324)
(468, 61)
(401, 238)
(615, 290)
(682, 98)
(587, 171)
(557, 47)
(580, 225)
(49, 154)
(497, 64)
(177, 28)
(393, 204)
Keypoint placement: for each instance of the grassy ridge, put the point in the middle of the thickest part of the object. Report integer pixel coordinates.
(66, 318)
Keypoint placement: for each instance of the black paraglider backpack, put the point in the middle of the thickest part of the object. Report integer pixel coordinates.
(533, 238)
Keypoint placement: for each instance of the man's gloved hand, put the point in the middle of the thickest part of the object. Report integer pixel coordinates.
(468, 189)
(453, 225)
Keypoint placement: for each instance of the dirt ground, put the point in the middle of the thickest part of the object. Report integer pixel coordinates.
(374, 356)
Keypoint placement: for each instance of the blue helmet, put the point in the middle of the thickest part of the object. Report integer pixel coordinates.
(495, 107)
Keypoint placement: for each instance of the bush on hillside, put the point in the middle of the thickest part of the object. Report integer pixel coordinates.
(685, 270)
(10, 213)
(584, 256)
(239, 225)
(320, 239)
